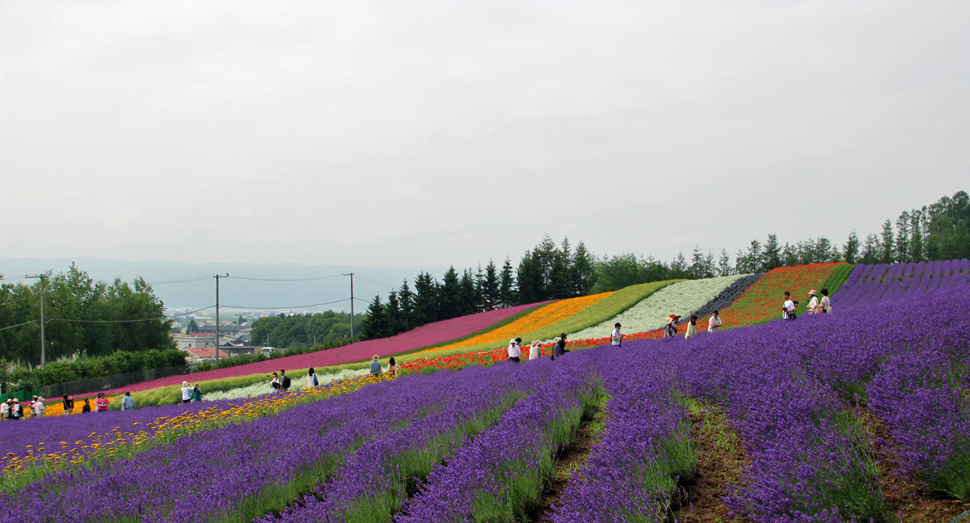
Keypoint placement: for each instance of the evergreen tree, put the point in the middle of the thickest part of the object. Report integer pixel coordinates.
(425, 299)
(679, 268)
(405, 300)
(583, 273)
(870, 250)
(375, 326)
(886, 242)
(393, 316)
(850, 251)
(789, 255)
(559, 283)
(724, 264)
(902, 238)
(193, 327)
(916, 241)
(449, 301)
(531, 283)
(469, 300)
(491, 287)
(948, 228)
(772, 253)
(507, 285)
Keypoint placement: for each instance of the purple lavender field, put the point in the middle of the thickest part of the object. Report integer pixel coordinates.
(483, 444)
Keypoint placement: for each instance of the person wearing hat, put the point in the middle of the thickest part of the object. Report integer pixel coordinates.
(535, 350)
(16, 412)
(670, 330)
(38, 407)
(375, 366)
(5, 410)
(514, 351)
(813, 303)
(186, 392)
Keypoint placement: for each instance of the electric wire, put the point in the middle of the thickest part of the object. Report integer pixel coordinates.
(284, 307)
(286, 279)
(188, 280)
(20, 325)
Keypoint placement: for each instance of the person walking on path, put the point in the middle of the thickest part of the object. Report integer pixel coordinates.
(670, 330)
(393, 369)
(788, 309)
(826, 302)
(616, 339)
(275, 383)
(813, 303)
(87, 406)
(535, 350)
(186, 392)
(68, 402)
(196, 393)
(284, 382)
(101, 404)
(311, 378)
(375, 366)
(714, 323)
(127, 402)
(514, 351)
(691, 327)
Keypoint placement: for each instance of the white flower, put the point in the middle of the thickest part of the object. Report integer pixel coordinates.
(299, 383)
(650, 313)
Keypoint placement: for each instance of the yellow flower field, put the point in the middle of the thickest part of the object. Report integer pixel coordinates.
(552, 313)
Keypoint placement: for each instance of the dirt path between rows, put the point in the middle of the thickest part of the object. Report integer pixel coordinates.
(567, 465)
(910, 499)
(720, 459)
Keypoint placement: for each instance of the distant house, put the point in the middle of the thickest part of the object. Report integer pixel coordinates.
(193, 340)
(195, 354)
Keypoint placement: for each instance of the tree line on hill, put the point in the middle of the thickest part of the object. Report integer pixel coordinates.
(303, 329)
(940, 231)
(84, 318)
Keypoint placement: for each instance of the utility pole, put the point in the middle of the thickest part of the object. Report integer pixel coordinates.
(43, 278)
(351, 303)
(217, 276)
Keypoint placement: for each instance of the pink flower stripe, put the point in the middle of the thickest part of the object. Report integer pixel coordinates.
(421, 337)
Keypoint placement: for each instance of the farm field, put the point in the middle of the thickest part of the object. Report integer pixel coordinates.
(860, 415)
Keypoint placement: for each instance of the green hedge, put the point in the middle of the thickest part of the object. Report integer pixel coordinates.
(119, 362)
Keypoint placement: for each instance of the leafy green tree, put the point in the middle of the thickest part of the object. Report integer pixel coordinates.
(870, 250)
(772, 253)
(724, 264)
(193, 327)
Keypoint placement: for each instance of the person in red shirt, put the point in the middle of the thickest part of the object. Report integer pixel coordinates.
(101, 404)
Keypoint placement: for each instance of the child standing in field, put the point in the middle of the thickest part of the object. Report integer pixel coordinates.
(691, 327)
(616, 338)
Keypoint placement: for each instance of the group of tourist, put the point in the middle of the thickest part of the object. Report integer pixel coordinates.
(189, 393)
(815, 305)
(12, 409)
(514, 350)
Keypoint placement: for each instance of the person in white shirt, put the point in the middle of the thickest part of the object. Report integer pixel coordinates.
(616, 339)
(788, 309)
(514, 350)
(535, 350)
(691, 327)
(311, 379)
(813, 303)
(714, 323)
(186, 392)
(5, 410)
(38, 407)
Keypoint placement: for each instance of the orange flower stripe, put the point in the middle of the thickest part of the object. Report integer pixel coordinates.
(545, 316)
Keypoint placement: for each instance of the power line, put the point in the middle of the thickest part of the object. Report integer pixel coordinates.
(19, 325)
(376, 282)
(285, 306)
(288, 279)
(162, 318)
(178, 281)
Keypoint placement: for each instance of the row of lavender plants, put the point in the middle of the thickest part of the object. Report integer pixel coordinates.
(868, 284)
(494, 475)
(728, 296)
(789, 387)
(644, 451)
(247, 469)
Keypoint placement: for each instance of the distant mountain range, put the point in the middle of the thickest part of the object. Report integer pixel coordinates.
(235, 290)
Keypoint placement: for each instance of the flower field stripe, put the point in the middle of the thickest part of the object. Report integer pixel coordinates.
(421, 337)
(498, 475)
(871, 283)
(645, 447)
(542, 317)
(727, 296)
(271, 459)
(649, 313)
(372, 483)
(108, 436)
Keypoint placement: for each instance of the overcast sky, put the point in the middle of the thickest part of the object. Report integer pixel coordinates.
(436, 133)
